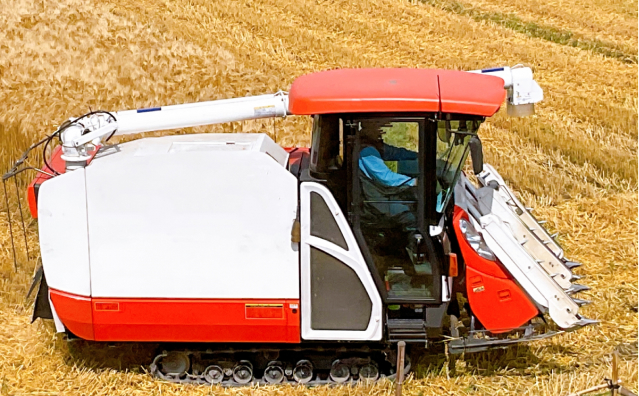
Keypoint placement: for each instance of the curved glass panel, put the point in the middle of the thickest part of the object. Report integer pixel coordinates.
(452, 150)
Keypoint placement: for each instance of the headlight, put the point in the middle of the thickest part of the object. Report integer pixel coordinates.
(475, 240)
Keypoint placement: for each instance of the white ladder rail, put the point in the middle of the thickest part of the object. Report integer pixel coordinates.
(490, 174)
(529, 274)
(520, 231)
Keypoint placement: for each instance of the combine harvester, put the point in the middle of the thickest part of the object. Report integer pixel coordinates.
(253, 263)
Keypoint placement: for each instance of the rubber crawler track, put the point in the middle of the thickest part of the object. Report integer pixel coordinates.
(384, 360)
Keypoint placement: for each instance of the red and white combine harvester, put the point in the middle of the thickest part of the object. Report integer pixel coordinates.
(249, 262)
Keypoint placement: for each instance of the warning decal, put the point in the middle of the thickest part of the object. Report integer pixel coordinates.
(265, 111)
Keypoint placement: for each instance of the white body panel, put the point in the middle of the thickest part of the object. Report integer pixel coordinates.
(193, 216)
(62, 222)
(353, 258)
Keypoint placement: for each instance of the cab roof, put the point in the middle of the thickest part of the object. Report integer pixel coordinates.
(396, 90)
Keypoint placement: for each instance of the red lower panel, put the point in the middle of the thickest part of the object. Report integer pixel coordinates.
(494, 297)
(194, 320)
(179, 320)
(75, 312)
(499, 304)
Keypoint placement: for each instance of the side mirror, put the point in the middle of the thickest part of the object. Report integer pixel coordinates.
(476, 154)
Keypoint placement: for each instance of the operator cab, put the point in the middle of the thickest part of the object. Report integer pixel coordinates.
(393, 175)
(389, 144)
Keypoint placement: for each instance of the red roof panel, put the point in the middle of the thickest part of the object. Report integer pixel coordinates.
(396, 90)
(470, 93)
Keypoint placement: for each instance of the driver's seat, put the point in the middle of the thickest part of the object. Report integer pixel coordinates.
(382, 205)
(388, 220)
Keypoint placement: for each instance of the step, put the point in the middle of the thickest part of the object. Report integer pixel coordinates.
(410, 330)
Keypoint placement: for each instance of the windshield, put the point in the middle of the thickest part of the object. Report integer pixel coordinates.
(452, 150)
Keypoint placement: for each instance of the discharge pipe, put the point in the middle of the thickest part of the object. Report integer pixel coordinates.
(81, 136)
(523, 91)
(201, 113)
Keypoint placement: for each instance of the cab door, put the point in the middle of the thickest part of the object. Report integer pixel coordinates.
(393, 186)
(339, 298)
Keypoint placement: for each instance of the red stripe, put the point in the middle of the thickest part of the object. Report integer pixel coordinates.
(75, 312)
(182, 320)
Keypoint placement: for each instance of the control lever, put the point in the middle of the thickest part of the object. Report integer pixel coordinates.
(418, 251)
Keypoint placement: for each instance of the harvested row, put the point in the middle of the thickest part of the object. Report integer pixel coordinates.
(370, 33)
(607, 28)
(288, 39)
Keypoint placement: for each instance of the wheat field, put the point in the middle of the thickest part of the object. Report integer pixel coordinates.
(575, 161)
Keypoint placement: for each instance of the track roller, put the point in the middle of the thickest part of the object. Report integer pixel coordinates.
(274, 373)
(243, 372)
(174, 363)
(303, 372)
(340, 372)
(369, 372)
(214, 374)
